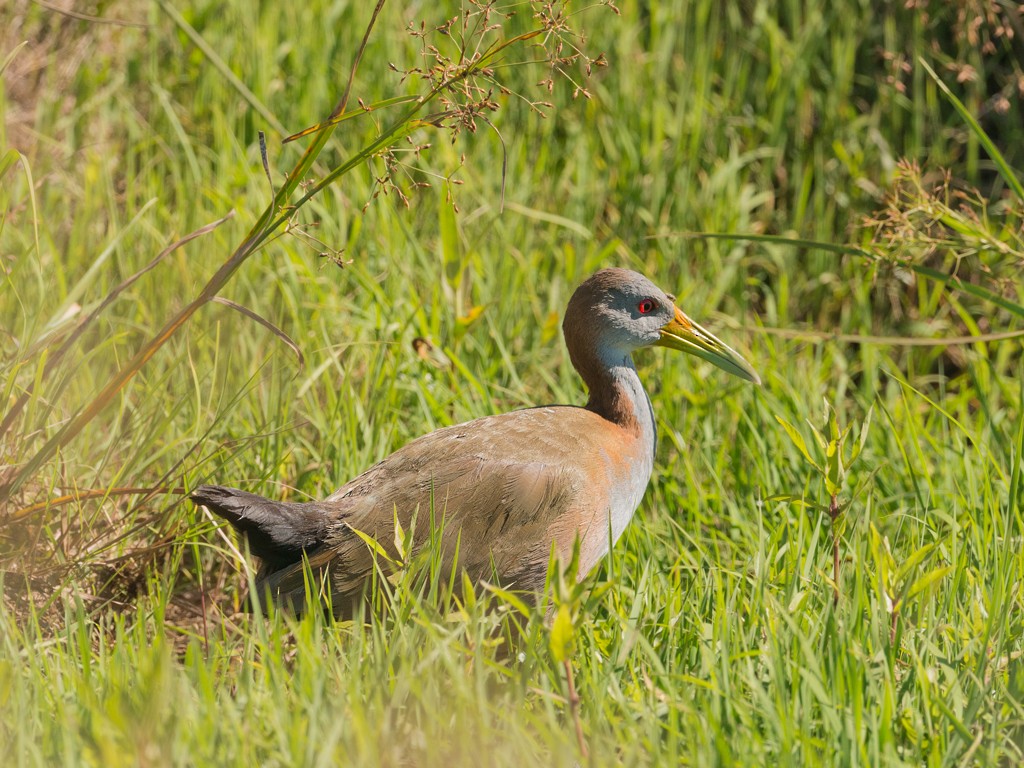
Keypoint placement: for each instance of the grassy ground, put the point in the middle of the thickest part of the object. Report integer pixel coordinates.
(712, 635)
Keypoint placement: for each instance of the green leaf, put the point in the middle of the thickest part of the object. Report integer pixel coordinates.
(913, 561)
(7, 161)
(844, 434)
(797, 601)
(958, 725)
(833, 422)
(362, 110)
(927, 580)
(400, 540)
(508, 597)
(794, 499)
(863, 436)
(563, 635)
(885, 563)
(373, 545)
(798, 440)
(451, 245)
(819, 438)
(576, 587)
(833, 468)
(468, 591)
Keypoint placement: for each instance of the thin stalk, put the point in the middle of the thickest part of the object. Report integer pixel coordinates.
(574, 709)
(833, 513)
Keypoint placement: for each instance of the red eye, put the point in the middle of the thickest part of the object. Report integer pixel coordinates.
(647, 305)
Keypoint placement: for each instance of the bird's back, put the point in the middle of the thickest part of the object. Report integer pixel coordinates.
(495, 493)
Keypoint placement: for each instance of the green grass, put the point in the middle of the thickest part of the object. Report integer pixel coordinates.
(710, 635)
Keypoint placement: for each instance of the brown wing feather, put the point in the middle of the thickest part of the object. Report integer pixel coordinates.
(502, 487)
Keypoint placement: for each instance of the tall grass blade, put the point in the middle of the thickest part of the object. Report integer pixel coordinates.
(218, 63)
(269, 326)
(1008, 174)
(57, 355)
(257, 235)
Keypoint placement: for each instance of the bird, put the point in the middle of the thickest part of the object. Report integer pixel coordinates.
(502, 492)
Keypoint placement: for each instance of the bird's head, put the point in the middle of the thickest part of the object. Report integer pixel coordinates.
(617, 311)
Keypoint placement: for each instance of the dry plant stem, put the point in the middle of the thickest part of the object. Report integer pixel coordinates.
(86, 17)
(574, 709)
(98, 493)
(395, 132)
(833, 513)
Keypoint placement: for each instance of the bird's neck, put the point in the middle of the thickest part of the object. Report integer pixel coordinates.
(617, 395)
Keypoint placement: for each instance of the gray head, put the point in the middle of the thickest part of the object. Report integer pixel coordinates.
(613, 313)
(617, 311)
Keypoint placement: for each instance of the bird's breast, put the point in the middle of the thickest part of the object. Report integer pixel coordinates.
(618, 473)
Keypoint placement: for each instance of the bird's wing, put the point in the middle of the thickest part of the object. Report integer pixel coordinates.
(490, 493)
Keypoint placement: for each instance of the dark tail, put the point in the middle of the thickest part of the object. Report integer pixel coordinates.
(278, 532)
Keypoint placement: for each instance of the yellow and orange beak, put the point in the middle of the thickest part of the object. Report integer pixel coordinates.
(684, 334)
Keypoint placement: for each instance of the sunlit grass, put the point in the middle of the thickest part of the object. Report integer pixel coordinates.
(710, 635)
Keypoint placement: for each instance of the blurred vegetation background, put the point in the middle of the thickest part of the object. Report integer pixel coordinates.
(848, 146)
